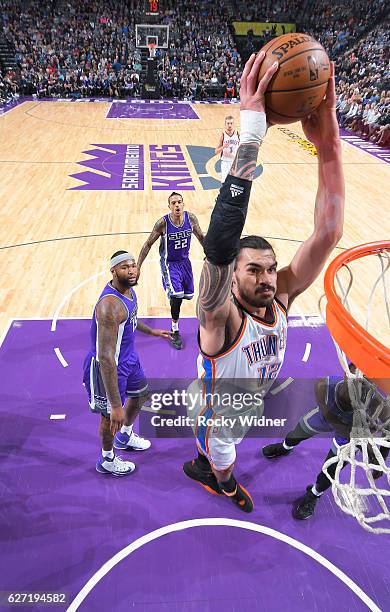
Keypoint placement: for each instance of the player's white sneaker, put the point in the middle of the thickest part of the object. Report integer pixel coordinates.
(124, 441)
(115, 466)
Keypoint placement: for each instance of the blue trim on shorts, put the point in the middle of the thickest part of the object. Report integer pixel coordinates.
(202, 430)
(208, 377)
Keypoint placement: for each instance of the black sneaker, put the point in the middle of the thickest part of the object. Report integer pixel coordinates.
(176, 341)
(306, 505)
(275, 450)
(241, 498)
(206, 478)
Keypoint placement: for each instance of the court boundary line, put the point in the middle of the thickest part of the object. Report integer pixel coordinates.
(68, 295)
(307, 352)
(5, 331)
(11, 107)
(155, 129)
(60, 357)
(64, 363)
(212, 522)
(286, 383)
(304, 318)
(344, 138)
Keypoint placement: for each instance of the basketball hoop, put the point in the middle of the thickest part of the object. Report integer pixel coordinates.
(361, 496)
(365, 351)
(152, 50)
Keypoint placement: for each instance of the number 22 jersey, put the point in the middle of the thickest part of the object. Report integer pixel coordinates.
(176, 241)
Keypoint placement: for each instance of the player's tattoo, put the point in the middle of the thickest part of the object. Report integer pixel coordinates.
(244, 164)
(109, 374)
(110, 314)
(145, 329)
(157, 231)
(196, 227)
(214, 288)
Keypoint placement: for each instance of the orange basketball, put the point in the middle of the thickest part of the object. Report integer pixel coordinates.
(299, 85)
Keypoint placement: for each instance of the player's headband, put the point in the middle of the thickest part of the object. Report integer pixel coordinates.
(114, 261)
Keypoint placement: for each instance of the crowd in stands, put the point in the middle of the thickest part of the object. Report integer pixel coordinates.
(363, 86)
(337, 25)
(288, 11)
(87, 48)
(76, 48)
(9, 88)
(202, 60)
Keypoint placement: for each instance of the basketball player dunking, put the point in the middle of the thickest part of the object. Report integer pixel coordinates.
(227, 146)
(113, 375)
(243, 299)
(175, 231)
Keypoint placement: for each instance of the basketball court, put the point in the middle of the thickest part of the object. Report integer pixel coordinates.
(81, 180)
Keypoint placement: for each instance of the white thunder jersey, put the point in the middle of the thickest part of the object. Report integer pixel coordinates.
(257, 352)
(233, 141)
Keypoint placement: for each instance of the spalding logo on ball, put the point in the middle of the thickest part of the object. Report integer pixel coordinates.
(299, 85)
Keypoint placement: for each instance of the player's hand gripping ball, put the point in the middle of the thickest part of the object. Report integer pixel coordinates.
(299, 85)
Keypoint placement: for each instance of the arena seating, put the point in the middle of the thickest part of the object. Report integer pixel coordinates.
(86, 48)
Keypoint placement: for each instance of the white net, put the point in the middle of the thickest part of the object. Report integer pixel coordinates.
(359, 473)
(361, 482)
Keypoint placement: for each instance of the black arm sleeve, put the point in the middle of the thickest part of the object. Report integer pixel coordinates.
(221, 243)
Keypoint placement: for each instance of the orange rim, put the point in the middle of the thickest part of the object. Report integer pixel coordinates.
(365, 351)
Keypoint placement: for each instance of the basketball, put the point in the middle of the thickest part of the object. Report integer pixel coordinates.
(299, 85)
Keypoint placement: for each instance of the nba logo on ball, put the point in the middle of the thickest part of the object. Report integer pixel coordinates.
(313, 70)
(299, 85)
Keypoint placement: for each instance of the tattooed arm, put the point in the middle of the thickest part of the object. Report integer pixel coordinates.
(110, 313)
(156, 233)
(196, 227)
(244, 164)
(216, 312)
(214, 306)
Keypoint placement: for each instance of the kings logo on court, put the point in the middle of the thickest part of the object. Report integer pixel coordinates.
(123, 167)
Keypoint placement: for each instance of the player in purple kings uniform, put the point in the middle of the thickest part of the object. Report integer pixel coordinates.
(175, 231)
(113, 375)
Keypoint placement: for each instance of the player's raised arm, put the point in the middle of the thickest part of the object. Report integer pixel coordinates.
(155, 234)
(322, 129)
(221, 243)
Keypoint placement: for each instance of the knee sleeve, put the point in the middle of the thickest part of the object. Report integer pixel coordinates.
(175, 307)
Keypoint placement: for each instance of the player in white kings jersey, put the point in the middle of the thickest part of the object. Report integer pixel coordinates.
(243, 299)
(227, 146)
